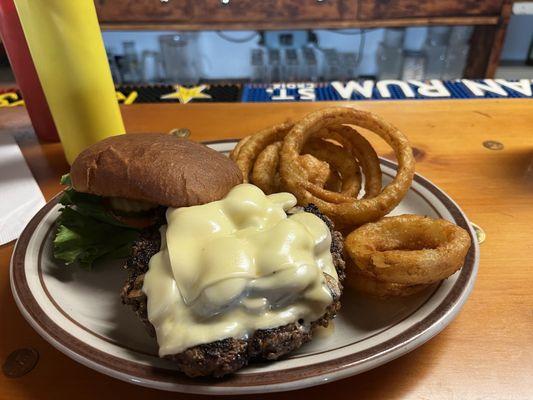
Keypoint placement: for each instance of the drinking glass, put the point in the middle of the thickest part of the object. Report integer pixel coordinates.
(257, 61)
(414, 64)
(390, 61)
(291, 65)
(309, 66)
(274, 65)
(435, 49)
(179, 53)
(151, 68)
(130, 63)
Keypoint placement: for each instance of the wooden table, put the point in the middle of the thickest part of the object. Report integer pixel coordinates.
(487, 351)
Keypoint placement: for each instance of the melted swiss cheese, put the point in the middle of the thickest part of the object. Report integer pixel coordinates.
(233, 266)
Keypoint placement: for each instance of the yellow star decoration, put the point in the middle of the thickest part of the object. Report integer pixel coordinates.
(10, 99)
(127, 100)
(184, 95)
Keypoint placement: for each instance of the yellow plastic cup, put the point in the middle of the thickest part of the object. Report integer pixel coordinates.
(66, 46)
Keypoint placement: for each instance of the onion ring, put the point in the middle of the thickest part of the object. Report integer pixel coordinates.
(265, 166)
(341, 161)
(408, 249)
(265, 173)
(266, 176)
(361, 148)
(334, 182)
(235, 152)
(249, 150)
(359, 211)
(317, 171)
(363, 284)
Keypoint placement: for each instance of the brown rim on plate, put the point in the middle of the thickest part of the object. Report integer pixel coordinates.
(91, 356)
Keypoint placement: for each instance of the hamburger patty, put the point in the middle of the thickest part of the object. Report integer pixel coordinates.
(229, 355)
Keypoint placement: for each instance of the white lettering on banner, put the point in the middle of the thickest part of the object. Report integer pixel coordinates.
(479, 88)
(383, 87)
(282, 93)
(306, 92)
(435, 88)
(346, 92)
(523, 86)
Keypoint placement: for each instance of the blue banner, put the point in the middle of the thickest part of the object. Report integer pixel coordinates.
(388, 89)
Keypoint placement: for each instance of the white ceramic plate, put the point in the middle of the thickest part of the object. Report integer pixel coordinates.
(80, 313)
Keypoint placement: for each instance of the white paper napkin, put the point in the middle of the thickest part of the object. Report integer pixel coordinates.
(20, 196)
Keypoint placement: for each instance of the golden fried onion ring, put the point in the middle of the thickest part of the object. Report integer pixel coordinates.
(235, 152)
(260, 165)
(265, 173)
(361, 148)
(340, 161)
(317, 171)
(356, 212)
(322, 162)
(248, 151)
(408, 249)
(369, 286)
(354, 148)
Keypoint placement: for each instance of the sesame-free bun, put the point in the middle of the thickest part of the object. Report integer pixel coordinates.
(156, 168)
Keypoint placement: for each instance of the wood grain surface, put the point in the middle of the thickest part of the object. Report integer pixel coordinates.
(486, 45)
(296, 24)
(486, 352)
(378, 9)
(270, 10)
(143, 11)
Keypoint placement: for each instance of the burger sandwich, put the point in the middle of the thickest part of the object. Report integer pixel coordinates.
(220, 273)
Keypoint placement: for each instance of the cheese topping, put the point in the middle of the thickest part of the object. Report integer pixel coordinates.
(233, 266)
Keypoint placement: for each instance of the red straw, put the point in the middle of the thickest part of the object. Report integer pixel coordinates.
(25, 73)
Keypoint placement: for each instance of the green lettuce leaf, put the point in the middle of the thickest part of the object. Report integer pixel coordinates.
(89, 205)
(87, 231)
(65, 180)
